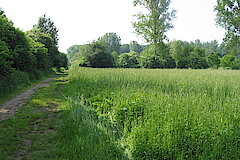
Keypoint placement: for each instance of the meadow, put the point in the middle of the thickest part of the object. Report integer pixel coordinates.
(162, 114)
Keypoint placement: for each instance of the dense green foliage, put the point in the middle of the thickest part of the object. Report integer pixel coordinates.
(112, 42)
(228, 17)
(197, 59)
(128, 60)
(135, 47)
(71, 51)
(154, 24)
(125, 48)
(175, 54)
(46, 25)
(155, 21)
(95, 55)
(149, 114)
(163, 114)
(25, 56)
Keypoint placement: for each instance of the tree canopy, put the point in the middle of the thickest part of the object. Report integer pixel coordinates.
(154, 24)
(135, 47)
(46, 25)
(30, 51)
(95, 55)
(112, 42)
(228, 17)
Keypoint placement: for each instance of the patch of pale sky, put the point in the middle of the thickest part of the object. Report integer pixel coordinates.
(81, 21)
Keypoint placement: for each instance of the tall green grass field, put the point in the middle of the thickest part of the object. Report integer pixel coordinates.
(157, 114)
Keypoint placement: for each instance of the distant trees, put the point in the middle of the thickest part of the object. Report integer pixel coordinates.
(153, 24)
(112, 42)
(135, 47)
(180, 51)
(149, 58)
(175, 54)
(128, 60)
(197, 59)
(71, 51)
(213, 60)
(125, 48)
(95, 55)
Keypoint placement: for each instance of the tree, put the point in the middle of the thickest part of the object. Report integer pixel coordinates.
(23, 59)
(46, 25)
(48, 42)
(154, 24)
(213, 60)
(180, 51)
(5, 60)
(114, 56)
(228, 17)
(211, 47)
(197, 59)
(112, 42)
(61, 61)
(1, 11)
(125, 48)
(16, 42)
(128, 60)
(161, 59)
(43, 61)
(95, 55)
(227, 60)
(71, 51)
(135, 47)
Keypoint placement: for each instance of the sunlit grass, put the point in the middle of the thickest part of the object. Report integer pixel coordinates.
(164, 114)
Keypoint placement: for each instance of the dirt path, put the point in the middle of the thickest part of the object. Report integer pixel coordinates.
(10, 107)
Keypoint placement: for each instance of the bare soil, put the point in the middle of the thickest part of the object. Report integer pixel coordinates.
(10, 107)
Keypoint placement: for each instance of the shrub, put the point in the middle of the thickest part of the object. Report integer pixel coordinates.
(128, 60)
(95, 55)
(227, 60)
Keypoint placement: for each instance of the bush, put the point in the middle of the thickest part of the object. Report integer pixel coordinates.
(5, 59)
(95, 55)
(128, 60)
(227, 60)
(151, 61)
(197, 59)
(213, 60)
(13, 81)
(157, 57)
(236, 64)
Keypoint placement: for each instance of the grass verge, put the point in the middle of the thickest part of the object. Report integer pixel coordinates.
(31, 133)
(22, 86)
(48, 128)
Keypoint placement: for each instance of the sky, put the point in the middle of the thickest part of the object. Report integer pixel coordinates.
(82, 21)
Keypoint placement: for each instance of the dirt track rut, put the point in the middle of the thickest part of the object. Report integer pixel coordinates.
(11, 106)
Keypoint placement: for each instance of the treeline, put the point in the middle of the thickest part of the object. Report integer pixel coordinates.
(27, 55)
(108, 51)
